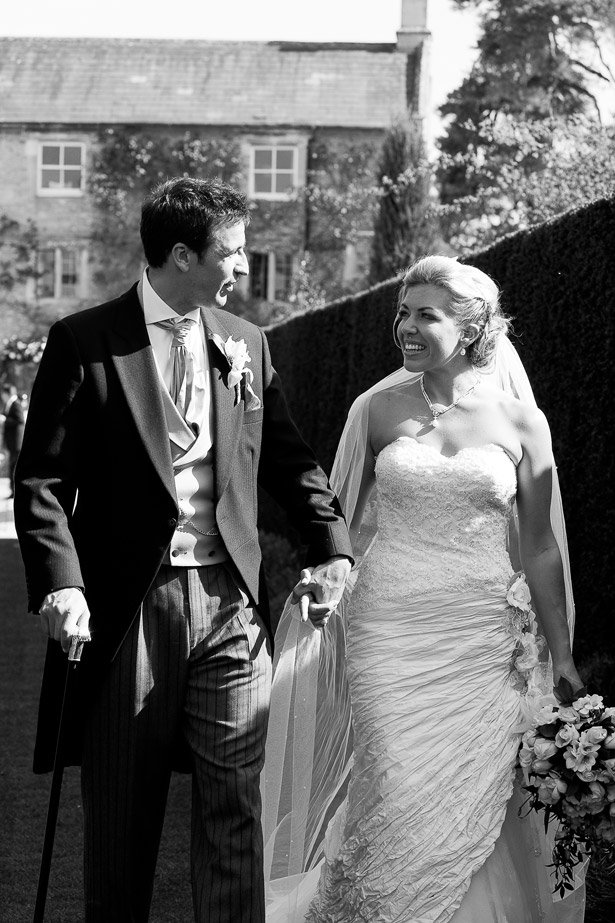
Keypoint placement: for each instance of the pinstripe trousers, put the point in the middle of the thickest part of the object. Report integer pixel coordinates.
(196, 662)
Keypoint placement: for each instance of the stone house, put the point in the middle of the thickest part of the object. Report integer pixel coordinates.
(294, 115)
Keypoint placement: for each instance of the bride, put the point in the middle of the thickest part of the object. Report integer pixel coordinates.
(418, 799)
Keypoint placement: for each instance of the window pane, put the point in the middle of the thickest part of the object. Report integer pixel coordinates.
(51, 154)
(69, 267)
(283, 182)
(46, 269)
(72, 179)
(283, 272)
(285, 160)
(260, 263)
(72, 156)
(262, 182)
(262, 159)
(50, 179)
(69, 272)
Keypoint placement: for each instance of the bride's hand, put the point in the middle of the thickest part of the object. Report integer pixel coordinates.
(567, 684)
(320, 589)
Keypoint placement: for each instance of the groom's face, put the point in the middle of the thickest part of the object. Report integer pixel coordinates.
(221, 266)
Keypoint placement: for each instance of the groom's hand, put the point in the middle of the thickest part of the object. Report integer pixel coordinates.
(64, 614)
(320, 589)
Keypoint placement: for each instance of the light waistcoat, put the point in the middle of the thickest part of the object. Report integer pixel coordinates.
(192, 454)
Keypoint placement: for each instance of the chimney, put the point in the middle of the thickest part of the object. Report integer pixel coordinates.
(413, 31)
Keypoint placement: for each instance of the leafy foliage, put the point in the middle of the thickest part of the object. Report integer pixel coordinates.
(340, 195)
(334, 208)
(526, 172)
(404, 227)
(524, 140)
(127, 165)
(537, 59)
(18, 264)
(14, 349)
(18, 247)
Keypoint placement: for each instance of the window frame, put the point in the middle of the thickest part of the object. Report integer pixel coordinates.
(61, 254)
(59, 191)
(272, 263)
(274, 148)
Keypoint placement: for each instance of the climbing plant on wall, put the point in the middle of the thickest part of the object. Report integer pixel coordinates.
(127, 164)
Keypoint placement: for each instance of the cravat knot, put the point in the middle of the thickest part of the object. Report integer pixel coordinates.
(179, 328)
(182, 372)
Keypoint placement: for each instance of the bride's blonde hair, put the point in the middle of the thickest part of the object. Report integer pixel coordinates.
(475, 299)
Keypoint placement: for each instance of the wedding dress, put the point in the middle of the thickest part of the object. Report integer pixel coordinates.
(428, 662)
(427, 830)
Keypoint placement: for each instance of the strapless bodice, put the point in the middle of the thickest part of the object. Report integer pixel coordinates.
(442, 521)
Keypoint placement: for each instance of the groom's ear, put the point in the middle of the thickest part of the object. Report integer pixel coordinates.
(180, 257)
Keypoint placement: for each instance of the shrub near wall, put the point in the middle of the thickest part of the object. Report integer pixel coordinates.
(558, 282)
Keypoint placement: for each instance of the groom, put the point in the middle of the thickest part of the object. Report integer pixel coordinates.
(152, 420)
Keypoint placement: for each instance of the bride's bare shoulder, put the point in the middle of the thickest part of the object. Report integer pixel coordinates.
(393, 397)
(527, 419)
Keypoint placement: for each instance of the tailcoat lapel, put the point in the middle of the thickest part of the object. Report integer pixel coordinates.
(134, 362)
(228, 418)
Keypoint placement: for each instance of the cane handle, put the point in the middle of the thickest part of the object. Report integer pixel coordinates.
(76, 648)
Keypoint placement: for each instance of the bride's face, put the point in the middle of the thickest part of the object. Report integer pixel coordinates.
(427, 329)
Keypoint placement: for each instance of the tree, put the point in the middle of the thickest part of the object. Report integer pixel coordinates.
(404, 226)
(525, 137)
(538, 59)
(552, 165)
(19, 245)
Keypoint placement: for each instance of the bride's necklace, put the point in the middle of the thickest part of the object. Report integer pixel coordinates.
(438, 413)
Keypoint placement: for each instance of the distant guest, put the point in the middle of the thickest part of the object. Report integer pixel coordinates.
(13, 428)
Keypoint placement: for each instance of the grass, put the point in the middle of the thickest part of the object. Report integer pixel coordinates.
(24, 796)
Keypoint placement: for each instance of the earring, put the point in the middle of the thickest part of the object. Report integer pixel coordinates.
(463, 351)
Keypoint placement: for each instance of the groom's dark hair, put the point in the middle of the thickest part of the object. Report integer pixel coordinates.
(188, 211)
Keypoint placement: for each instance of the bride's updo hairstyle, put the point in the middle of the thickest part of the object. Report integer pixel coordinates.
(474, 297)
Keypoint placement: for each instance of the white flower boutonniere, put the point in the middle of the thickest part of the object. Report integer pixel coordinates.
(239, 377)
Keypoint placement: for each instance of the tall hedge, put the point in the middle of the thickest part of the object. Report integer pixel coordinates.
(558, 283)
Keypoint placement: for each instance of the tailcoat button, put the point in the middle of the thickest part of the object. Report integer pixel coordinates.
(172, 523)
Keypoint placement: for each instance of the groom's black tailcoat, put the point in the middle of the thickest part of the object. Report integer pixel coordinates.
(95, 500)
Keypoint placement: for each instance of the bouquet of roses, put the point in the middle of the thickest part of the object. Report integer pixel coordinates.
(568, 758)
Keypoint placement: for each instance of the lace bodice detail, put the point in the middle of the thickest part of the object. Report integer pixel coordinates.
(442, 521)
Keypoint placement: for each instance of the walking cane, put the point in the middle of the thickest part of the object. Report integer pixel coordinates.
(74, 656)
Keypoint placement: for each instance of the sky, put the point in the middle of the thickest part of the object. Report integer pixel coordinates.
(453, 32)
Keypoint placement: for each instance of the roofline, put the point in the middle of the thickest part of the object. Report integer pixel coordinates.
(240, 127)
(284, 46)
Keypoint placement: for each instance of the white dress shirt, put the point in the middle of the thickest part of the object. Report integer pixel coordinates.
(192, 466)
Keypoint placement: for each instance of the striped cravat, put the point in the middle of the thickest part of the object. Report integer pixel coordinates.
(182, 372)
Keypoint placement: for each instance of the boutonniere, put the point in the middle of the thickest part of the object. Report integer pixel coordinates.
(239, 377)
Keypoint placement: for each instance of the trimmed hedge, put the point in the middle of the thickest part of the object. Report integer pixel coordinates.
(558, 283)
